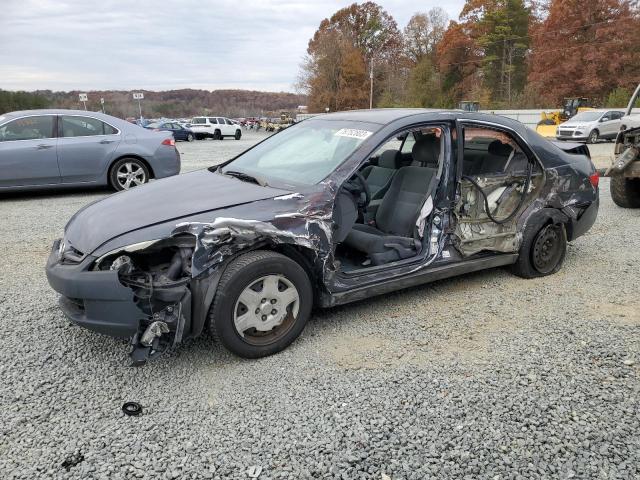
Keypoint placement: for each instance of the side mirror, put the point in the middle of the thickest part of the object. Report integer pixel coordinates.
(604, 119)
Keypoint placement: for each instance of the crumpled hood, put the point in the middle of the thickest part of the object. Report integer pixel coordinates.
(160, 201)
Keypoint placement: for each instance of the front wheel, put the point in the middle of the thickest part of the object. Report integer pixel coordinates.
(543, 249)
(190, 138)
(593, 136)
(127, 173)
(262, 304)
(238, 135)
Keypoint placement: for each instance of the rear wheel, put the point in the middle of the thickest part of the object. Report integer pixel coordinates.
(127, 173)
(238, 135)
(190, 138)
(262, 303)
(625, 192)
(217, 135)
(544, 246)
(593, 136)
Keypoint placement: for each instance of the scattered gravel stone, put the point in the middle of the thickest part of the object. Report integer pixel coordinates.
(485, 376)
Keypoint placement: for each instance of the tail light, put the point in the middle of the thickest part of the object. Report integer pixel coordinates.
(171, 142)
(594, 179)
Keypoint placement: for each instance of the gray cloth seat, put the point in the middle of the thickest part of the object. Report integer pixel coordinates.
(379, 176)
(392, 238)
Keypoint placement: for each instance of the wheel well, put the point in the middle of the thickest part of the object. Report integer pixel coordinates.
(304, 257)
(137, 157)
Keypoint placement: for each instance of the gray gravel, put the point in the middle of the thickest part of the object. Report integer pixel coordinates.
(482, 377)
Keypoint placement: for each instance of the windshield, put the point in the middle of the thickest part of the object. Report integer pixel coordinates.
(153, 125)
(586, 116)
(304, 153)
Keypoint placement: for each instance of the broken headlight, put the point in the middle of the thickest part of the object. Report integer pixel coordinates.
(158, 262)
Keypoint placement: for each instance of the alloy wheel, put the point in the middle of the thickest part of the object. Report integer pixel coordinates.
(130, 174)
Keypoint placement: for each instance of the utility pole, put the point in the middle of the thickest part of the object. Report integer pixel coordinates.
(371, 85)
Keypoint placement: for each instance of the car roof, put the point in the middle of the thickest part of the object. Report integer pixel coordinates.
(57, 111)
(385, 116)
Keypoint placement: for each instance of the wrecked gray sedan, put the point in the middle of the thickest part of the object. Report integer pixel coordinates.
(337, 208)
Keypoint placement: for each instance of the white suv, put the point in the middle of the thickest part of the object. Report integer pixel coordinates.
(215, 127)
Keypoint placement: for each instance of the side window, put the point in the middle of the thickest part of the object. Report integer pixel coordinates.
(109, 130)
(408, 144)
(28, 128)
(213, 120)
(617, 115)
(221, 121)
(398, 151)
(80, 126)
(491, 152)
(229, 122)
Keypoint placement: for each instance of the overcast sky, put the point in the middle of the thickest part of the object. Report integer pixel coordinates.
(161, 45)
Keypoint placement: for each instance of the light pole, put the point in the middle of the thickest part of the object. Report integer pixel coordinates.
(371, 85)
(373, 48)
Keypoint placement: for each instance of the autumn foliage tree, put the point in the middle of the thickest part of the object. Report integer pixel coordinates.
(341, 53)
(585, 48)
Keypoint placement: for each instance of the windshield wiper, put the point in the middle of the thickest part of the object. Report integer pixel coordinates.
(245, 177)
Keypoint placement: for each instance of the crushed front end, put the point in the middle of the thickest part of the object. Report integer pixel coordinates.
(140, 292)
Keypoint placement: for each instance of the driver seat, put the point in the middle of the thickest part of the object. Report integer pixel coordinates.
(393, 236)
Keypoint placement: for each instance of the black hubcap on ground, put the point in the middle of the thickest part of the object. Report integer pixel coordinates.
(547, 249)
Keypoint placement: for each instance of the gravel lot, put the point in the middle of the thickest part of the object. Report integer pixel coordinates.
(486, 376)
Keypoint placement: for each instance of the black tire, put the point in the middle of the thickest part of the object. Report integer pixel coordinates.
(120, 166)
(217, 135)
(543, 249)
(200, 136)
(236, 279)
(593, 137)
(238, 135)
(625, 192)
(190, 137)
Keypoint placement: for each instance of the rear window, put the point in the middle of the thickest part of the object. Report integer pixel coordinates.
(213, 120)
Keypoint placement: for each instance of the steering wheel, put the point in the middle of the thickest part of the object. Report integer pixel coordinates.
(365, 188)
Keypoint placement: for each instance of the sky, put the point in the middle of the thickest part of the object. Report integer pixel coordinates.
(163, 45)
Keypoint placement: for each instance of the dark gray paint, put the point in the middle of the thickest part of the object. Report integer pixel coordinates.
(231, 217)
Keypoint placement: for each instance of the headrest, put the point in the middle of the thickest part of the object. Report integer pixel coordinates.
(388, 159)
(500, 149)
(426, 151)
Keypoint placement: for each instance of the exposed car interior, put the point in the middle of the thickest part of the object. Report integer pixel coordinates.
(381, 212)
(498, 179)
(391, 190)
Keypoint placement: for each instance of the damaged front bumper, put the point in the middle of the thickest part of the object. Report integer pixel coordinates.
(98, 300)
(93, 299)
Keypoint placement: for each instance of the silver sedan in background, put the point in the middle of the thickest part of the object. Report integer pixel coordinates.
(591, 126)
(55, 148)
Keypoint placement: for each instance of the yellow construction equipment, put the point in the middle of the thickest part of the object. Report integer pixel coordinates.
(549, 121)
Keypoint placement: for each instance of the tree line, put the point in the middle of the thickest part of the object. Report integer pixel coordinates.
(170, 103)
(501, 53)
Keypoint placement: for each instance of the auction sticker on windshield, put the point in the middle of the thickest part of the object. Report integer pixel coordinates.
(353, 133)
